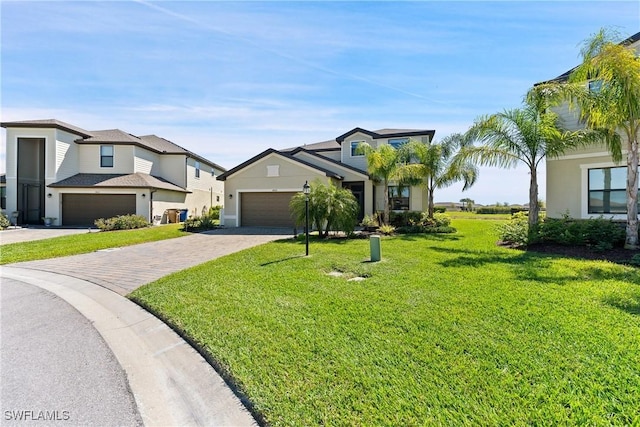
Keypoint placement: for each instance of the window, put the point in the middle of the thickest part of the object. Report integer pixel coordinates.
(213, 172)
(3, 197)
(106, 156)
(397, 142)
(354, 148)
(197, 166)
(607, 190)
(595, 86)
(398, 198)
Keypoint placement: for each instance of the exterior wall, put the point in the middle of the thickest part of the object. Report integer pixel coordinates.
(66, 156)
(333, 155)
(146, 161)
(172, 168)
(206, 190)
(89, 159)
(359, 162)
(290, 177)
(164, 200)
(567, 182)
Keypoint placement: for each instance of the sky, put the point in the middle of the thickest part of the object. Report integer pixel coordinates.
(229, 79)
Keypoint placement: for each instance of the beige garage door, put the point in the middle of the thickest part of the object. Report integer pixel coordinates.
(84, 209)
(265, 210)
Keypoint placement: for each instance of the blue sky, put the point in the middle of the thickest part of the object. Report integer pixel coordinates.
(228, 80)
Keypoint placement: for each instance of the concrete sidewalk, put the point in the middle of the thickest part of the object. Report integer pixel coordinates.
(171, 383)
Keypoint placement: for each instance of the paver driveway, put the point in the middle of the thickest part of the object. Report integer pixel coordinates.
(125, 269)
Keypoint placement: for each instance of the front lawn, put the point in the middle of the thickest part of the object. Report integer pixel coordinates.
(445, 330)
(83, 243)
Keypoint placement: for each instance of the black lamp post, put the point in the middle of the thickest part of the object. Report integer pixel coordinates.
(306, 190)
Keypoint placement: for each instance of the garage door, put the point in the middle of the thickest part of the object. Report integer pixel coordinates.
(265, 210)
(84, 209)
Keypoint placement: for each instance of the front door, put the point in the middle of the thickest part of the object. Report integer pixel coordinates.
(357, 189)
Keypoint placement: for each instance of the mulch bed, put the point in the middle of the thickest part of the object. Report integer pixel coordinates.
(617, 255)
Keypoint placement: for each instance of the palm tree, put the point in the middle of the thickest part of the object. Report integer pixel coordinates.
(612, 109)
(330, 208)
(433, 165)
(468, 203)
(526, 135)
(384, 164)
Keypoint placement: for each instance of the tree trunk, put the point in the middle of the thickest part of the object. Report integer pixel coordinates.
(533, 201)
(385, 217)
(430, 207)
(631, 241)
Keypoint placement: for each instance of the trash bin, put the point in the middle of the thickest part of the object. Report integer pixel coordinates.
(183, 215)
(172, 216)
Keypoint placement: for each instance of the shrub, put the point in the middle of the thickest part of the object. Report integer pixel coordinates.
(516, 230)
(404, 218)
(4, 221)
(600, 233)
(214, 212)
(440, 223)
(386, 229)
(122, 222)
(202, 223)
(486, 210)
(440, 209)
(370, 221)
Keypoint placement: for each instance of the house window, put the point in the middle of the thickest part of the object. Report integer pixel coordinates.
(197, 166)
(397, 142)
(607, 190)
(213, 172)
(398, 198)
(106, 156)
(354, 148)
(595, 86)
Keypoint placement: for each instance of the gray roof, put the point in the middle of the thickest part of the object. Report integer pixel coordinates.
(114, 136)
(134, 180)
(47, 123)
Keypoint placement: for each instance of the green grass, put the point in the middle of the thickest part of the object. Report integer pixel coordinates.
(83, 243)
(445, 330)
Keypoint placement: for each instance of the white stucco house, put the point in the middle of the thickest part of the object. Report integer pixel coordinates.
(258, 191)
(586, 183)
(58, 170)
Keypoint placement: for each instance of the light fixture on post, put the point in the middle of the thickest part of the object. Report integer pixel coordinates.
(306, 190)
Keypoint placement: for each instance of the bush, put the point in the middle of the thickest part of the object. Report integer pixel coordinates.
(440, 223)
(370, 221)
(214, 212)
(202, 223)
(404, 218)
(387, 229)
(487, 210)
(4, 221)
(516, 230)
(122, 222)
(600, 233)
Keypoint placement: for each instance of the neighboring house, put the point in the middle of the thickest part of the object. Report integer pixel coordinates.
(258, 191)
(586, 183)
(57, 170)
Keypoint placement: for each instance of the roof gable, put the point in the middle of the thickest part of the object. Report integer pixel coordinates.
(287, 156)
(387, 133)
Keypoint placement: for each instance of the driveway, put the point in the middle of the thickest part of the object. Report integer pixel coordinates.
(170, 383)
(19, 234)
(124, 269)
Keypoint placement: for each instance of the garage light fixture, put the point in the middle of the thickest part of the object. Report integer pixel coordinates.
(49, 195)
(231, 196)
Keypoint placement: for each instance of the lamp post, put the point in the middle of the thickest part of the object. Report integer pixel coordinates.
(306, 190)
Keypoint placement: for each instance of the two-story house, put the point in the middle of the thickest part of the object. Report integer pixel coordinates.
(57, 170)
(586, 183)
(258, 191)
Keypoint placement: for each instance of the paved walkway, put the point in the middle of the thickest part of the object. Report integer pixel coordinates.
(171, 383)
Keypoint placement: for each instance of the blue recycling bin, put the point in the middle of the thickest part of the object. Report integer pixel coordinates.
(183, 215)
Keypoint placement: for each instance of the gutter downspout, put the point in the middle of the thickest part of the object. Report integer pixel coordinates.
(151, 205)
